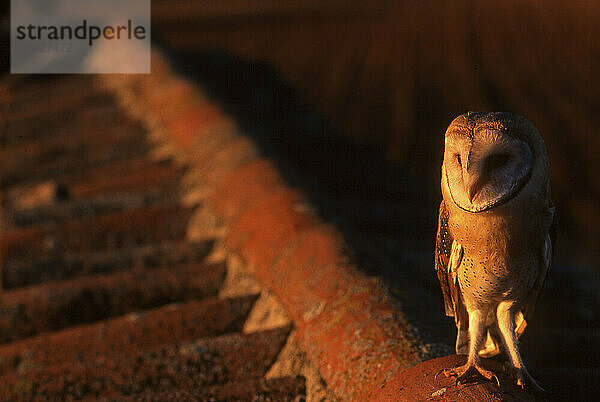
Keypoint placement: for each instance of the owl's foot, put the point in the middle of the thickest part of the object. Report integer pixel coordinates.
(461, 373)
(521, 376)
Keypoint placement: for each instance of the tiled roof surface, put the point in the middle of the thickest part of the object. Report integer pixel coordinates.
(104, 295)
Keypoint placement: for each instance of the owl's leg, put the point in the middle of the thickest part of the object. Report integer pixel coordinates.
(462, 336)
(506, 323)
(476, 335)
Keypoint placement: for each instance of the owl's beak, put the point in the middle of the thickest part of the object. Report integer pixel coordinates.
(473, 186)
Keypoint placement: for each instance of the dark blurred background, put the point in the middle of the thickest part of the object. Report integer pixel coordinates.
(389, 76)
(392, 75)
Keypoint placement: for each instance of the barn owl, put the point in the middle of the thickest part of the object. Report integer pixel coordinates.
(495, 234)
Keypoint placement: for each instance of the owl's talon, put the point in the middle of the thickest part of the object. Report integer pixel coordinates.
(461, 373)
(522, 376)
(448, 372)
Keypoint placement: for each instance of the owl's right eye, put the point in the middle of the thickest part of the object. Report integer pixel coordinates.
(458, 160)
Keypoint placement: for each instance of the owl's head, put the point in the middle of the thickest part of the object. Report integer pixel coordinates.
(488, 158)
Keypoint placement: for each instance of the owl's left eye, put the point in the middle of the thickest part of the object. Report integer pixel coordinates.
(458, 160)
(496, 161)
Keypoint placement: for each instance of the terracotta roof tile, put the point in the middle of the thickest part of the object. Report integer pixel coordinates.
(105, 297)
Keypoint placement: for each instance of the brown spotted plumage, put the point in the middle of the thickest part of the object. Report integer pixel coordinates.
(493, 244)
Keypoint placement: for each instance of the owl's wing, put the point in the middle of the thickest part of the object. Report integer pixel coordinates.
(545, 261)
(448, 255)
(443, 247)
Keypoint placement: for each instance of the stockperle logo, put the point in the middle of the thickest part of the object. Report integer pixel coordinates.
(80, 36)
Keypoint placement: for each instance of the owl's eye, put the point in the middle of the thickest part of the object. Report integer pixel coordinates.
(458, 160)
(496, 161)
